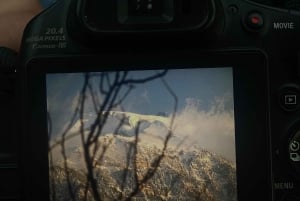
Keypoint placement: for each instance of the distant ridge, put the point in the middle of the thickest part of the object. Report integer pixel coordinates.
(194, 175)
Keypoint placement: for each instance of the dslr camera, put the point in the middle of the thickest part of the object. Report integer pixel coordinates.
(159, 100)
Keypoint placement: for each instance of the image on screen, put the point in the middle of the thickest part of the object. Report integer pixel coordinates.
(142, 135)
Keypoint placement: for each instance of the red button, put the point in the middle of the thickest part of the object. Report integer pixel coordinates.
(255, 21)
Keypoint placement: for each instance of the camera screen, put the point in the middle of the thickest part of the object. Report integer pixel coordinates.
(142, 135)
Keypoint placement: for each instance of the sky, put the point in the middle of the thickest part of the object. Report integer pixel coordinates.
(205, 102)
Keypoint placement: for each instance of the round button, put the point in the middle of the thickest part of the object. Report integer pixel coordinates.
(295, 146)
(289, 98)
(255, 21)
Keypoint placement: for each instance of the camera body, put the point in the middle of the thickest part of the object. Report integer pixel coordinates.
(235, 31)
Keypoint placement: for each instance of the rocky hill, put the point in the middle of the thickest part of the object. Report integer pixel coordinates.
(183, 174)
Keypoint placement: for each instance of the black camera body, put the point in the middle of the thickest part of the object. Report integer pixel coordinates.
(260, 42)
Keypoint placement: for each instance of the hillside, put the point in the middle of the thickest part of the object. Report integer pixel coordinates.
(183, 174)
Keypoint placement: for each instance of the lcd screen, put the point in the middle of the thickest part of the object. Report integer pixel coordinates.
(142, 135)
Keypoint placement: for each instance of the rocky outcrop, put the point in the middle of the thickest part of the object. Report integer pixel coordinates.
(193, 174)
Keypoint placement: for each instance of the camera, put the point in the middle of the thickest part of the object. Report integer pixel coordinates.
(159, 100)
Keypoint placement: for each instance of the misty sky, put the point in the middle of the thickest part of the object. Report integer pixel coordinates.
(207, 91)
(152, 97)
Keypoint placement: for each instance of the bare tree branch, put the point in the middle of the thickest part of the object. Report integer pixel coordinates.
(156, 162)
(110, 87)
(86, 144)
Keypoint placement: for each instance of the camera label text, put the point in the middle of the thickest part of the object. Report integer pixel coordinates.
(51, 38)
(284, 25)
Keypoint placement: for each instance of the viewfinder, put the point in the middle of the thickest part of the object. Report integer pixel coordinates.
(145, 11)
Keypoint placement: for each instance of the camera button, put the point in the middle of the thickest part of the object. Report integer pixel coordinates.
(294, 148)
(255, 21)
(289, 99)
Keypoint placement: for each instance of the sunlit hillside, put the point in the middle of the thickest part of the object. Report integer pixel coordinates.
(183, 174)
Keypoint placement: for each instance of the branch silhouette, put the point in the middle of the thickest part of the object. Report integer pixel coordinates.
(113, 90)
(156, 162)
(131, 162)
